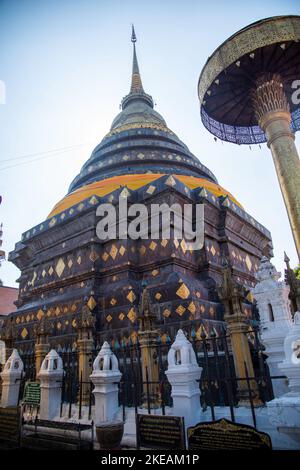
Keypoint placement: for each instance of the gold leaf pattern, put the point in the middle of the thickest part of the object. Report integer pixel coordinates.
(183, 292)
(180, 310)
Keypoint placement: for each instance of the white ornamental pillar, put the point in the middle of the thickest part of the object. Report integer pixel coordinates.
(286, 409)
(50, 376)
(183, 373)
(273, 304)
(291, 365)
(105, 378)
(11, 380)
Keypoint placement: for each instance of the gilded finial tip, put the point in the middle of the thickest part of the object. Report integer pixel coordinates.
(133, 36)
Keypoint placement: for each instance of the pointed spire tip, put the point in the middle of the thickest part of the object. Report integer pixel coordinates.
(133, 36)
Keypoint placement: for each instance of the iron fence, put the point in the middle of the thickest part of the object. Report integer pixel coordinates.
(219, 385)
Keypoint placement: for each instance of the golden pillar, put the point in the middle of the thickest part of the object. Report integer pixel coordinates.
(149, 359)
(272, 112)
(232, 294)
(85, 342)
(42, 331)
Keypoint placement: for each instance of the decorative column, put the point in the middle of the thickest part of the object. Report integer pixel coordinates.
(273, 114)
(147, 335)
(285, 411)
(50, 376)
(8, 335)
(183, 373)
(11, 380)
(85, 342)
(232, 294)
(105, 377)
(273, 304)
(42, 346)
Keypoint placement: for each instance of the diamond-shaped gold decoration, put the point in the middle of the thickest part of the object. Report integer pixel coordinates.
(24, 333)
(192, 307)
(198, 294)
(121, 316)
(93, 256)
(122, 250)
(170, 181)
(142, 250)
(154, 272)
(18, 320)
(57, 311)
(113, 301)
(202, 308)
(152, 245)
(126, 157)
(131, 296)
(248, 262)
(213, 250)
(28, 318)
(40, 314)
(58, 325)
(180, 310)
(158, 296)
(80, 206)
(71, 211)
(233, 253)
(183, 292)
(91, 303)
(211, 311)
(125, 193)
(44, 273)
(79, 260)
(164, 242)
(183, 245)
(113, 252)
(109, 318)
(70, 263)
(50, 271)
(74, 323)
(60, 266)
(203, 192)
(131, 315)
(176, 242)
(73, 307)
(52, 222)
(105, 256)
(166, 312)
(93, 200)
(151, 189)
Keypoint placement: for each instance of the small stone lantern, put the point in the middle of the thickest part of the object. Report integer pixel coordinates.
(50, 376)
(183, 373)
(11, 380)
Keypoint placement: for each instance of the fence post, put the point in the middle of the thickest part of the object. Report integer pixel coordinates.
(105, 377)
(50, 377)
(11, 380)
(183, 373)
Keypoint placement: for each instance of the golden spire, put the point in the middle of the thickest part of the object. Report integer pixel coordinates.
(136, 81)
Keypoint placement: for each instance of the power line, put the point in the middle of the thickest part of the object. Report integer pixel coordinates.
(43, 153)
(58, 153)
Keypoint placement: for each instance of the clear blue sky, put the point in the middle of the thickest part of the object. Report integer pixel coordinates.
(66, 65)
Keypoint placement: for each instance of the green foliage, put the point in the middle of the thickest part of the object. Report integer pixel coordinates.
(297, 271)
